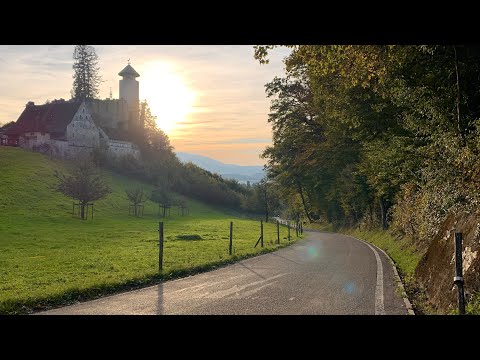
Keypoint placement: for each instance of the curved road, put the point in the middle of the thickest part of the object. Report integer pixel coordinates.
(324, 273)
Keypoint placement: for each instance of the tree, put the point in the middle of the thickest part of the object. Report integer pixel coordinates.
(363, 128)
(83, 184)
(162, 196)
(86, 78)
(136, 197)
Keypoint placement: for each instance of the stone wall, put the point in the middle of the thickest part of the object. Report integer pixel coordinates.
(111, 113)
(83, 136)
(59, 148)
(118, 148)
(32, 140)
(82, 131)
(129, 91)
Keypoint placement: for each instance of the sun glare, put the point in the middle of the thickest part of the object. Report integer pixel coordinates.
(169, 98)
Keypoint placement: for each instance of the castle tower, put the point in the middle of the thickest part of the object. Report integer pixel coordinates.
(129, 92)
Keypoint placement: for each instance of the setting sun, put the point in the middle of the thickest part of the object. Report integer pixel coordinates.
(169, 98)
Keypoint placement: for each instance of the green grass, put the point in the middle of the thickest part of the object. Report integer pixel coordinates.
(402, 251)
(406, 258)
(321, 227)
(473, 305)
(48, 258)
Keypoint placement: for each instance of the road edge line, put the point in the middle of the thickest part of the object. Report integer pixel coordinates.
(407, 302)
(379, 293)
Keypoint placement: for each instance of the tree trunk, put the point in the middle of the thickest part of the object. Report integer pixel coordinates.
(82, 211)
(459, 124)
(265, 197)
(383, 211)
(135, 209)
(303, 202)
(266, 211)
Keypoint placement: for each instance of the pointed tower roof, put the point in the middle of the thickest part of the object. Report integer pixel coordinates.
(129, 71)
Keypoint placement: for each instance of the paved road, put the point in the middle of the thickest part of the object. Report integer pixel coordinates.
(323, 274)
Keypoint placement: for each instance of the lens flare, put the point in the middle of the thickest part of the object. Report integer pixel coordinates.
(349, 288)
(312, 252)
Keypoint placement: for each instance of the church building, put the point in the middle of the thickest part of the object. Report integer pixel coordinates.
(68, 128)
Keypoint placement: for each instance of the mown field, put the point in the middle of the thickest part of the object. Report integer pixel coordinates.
(48, 257)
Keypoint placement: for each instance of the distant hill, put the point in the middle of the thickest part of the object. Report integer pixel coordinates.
(229, 171)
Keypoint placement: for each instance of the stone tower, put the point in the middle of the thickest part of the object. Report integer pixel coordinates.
(129, 92)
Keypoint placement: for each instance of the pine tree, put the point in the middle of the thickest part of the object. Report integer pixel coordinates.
(86, 78)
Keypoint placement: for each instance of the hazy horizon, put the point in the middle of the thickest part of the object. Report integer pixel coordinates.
(210, 100)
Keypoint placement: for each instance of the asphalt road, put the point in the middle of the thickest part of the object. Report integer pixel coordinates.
(323, 274)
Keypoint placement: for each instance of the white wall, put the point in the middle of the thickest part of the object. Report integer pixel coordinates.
(59, 148)
(129, 92)
(82, 131)
(34, 139)
(82, 137)
(118, 148)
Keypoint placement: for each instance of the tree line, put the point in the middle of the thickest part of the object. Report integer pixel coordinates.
(377, 135)
(159, 164)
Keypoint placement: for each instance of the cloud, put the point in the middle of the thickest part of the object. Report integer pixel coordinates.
(231, 106)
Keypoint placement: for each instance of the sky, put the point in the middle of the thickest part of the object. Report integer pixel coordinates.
(209, 99)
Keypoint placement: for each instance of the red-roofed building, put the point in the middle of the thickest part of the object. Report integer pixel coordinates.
(67, 128)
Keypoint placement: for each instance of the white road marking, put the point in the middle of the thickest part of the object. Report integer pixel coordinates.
(236, 288)
(253, 291)
(408, 305)
(379, 298)
(204, 285)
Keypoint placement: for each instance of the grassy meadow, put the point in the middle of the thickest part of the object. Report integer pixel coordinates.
(49, 258)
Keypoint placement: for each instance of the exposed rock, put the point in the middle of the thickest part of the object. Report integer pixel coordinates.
(436, 270)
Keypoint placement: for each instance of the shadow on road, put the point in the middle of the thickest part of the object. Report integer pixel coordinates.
(160, 300)
(256, 273)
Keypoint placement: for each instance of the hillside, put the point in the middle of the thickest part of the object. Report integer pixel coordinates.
(229, 171)
(48, 257)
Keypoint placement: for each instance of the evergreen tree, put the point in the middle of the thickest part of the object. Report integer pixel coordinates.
(86, 78)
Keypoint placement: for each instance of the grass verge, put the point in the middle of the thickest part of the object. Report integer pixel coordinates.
(403, 253)
(49, 258)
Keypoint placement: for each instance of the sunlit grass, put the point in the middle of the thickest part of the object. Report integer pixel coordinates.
(47, 257)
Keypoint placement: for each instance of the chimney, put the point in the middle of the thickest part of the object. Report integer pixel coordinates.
(30, 103)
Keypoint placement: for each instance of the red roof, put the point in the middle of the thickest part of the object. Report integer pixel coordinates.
(52, 118)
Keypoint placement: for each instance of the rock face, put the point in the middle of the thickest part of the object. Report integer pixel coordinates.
(436, 270)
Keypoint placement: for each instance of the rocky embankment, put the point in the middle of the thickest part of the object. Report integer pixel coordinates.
(436, 270)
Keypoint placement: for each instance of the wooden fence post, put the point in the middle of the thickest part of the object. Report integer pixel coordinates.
(231, 232)
(261, 232)
(160, 243)
(288, 230)
(458, 279)
(278, 232)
